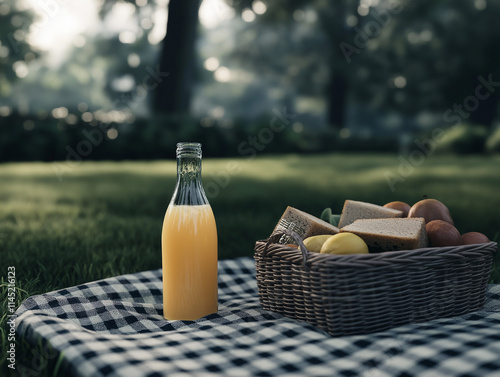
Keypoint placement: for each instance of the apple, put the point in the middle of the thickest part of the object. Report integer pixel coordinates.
(471, 238)
(431, 209)
(442, 233)
(400, 206)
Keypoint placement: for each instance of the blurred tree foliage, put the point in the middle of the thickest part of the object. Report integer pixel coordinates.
(403, 55)
(444, 50)
(173, 92)
(15, 51)
(331, 18)
(398, 55)
(394, 56)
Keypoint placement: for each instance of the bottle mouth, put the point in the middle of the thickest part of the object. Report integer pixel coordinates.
(188, 149)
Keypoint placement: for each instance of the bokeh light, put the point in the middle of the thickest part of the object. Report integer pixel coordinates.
(87, 117)
(248, 15)
(211, 64)
(363, 10)
(82, 107)
(112, 133)
(60, 112)
(127, 37)
(222, 74)
(218, 112)
(5, 111)
(71, 119)
(259, 7)
(480, 4)
(134, 60)
(28, 125)
(400, 82)
(21, 69)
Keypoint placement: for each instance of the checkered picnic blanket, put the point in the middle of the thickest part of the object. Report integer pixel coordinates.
(114, 327)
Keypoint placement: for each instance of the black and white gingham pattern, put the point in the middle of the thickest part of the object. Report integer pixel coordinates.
(114, 327)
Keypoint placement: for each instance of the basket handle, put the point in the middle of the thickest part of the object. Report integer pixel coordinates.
(296, 237)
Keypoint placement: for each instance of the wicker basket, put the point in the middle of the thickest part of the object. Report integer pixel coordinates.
(365, 293)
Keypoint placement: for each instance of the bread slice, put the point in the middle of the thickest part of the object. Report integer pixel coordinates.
(354, 210)
(390, 234)
(302, 223)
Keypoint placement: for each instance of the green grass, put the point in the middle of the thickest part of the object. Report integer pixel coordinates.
(105, 218)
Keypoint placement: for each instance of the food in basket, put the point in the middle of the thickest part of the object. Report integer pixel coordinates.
(359, 294)
(471, 238)
(442, 233)
(431, 209)
(379, 235)
(302, 223)
(400, 206)
(354, 210)
(390, 234)
(314, 243)
(344, 243)
(319, 288)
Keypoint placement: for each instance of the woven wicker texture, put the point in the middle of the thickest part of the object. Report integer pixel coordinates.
(365, 293)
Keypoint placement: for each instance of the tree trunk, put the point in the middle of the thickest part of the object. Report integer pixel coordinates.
(337, 88)
(337, 100)
(172, 93)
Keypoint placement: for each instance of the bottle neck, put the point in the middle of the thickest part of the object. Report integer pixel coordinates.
(189, 168)
(189, 187)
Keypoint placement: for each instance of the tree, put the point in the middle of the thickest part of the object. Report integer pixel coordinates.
(177, 57)
(172, 94)
(434, 54)
(331, 19)
(405, 56)
(15, 52)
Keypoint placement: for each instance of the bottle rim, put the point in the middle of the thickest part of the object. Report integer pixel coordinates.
(189, 149)
(188, 144)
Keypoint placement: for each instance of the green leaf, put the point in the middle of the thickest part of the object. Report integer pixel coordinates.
(334, 220)
(326, 215)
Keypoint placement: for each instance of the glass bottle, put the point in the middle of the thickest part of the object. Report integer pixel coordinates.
(189, 243)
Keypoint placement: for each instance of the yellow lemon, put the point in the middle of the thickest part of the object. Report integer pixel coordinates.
(314, 243)
(344, 243)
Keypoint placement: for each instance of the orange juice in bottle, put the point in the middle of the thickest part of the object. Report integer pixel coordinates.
(189, 243)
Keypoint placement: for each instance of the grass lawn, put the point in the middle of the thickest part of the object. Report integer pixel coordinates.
(104, 218)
